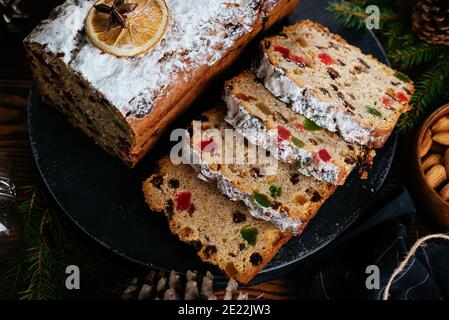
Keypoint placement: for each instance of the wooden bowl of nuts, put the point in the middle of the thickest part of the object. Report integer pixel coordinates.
(433, 164)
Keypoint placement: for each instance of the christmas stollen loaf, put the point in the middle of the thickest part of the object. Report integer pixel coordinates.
(222, 231)
(125, 104)
(266, 121)
(320, 76)
(271, 190)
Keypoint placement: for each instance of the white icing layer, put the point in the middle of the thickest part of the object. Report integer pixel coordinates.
(200, 32)
(256, 132)
(301, 101)
(278, 218)
(59, 33)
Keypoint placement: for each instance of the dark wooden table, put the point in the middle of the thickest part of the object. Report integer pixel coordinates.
(15, 80)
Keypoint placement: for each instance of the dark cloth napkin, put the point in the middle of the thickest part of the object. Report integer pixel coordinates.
(339, 271)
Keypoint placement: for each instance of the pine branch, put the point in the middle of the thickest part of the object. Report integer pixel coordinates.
(429, 87)
(11, 272)
(37, 269)
(353, 15)
(34, 274)
(40, 257)
(416, 54)
(405, 52)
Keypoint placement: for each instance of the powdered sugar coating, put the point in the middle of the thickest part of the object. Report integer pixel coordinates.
(59, 33)
(300, 101)
(256, 132)
(280, 219)
(200, 32)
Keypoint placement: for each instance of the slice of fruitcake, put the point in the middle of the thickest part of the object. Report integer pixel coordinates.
(319, 75)
(271, 190)
(264, 120)
(222, 231)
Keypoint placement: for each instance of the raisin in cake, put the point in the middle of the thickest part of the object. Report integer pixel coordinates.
(268, 122)
(125, 104)
(222, 231)
(271, 190)
(319, 75)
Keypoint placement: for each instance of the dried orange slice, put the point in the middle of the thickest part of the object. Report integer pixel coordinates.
(126, 28)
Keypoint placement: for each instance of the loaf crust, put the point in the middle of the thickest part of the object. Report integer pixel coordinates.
(60, 58)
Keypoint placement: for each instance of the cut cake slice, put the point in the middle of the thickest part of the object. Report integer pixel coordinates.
(320, 76)
(292, 138)
(271, 190)
(223, 232)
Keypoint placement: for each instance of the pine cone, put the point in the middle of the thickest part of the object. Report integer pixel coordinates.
(158, 286)
(431, 21)
(21, 16)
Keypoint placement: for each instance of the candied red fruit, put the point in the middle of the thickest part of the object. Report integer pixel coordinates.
(324, 155)
(387, 101)
(298, 59)
(299, 126)
(282, 50)
(326, 58)
(208, 145)
(183, 200)
(401, 97)
(286, 53)
(283, 133)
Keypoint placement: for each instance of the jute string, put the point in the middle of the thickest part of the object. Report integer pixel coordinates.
(404, 263)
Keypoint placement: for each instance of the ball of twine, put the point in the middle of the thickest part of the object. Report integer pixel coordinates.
(420, 242)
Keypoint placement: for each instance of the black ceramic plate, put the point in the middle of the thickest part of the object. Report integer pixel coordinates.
(105, 200)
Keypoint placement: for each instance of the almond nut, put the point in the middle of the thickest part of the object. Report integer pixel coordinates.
(436, 176)
(426, 143)
(442, 138)
(442, 124)
(444, 193)
(446, 160)
(431, 160)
